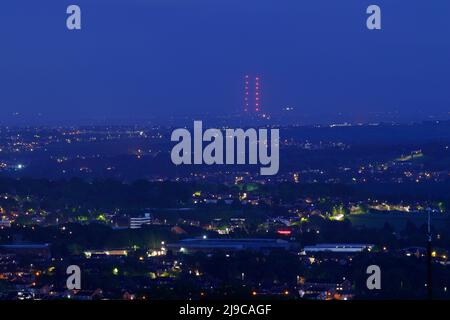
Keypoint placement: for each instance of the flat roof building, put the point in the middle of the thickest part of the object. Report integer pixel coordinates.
(338, 248)
(209, 245)
(138, 222)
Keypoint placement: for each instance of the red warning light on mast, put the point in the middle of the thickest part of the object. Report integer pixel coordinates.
(252, 93)
(246, 92)
(257, 93)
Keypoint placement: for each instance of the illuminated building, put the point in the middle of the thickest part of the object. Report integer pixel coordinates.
(228, 245)
(138, 222)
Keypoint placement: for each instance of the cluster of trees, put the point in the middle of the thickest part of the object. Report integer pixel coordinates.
(106, 194)
(73, 239)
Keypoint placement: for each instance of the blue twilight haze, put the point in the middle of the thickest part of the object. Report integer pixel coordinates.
(156, 58)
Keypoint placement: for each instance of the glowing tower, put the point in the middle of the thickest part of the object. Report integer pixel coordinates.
(252, 94)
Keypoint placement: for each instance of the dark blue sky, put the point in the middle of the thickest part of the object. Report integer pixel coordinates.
(143, 58)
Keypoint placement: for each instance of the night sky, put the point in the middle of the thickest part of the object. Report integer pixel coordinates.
(147, 58)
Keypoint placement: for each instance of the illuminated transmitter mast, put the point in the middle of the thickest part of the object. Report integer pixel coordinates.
(252, 94)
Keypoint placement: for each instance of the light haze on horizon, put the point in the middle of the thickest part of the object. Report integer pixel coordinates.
(147, 58)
